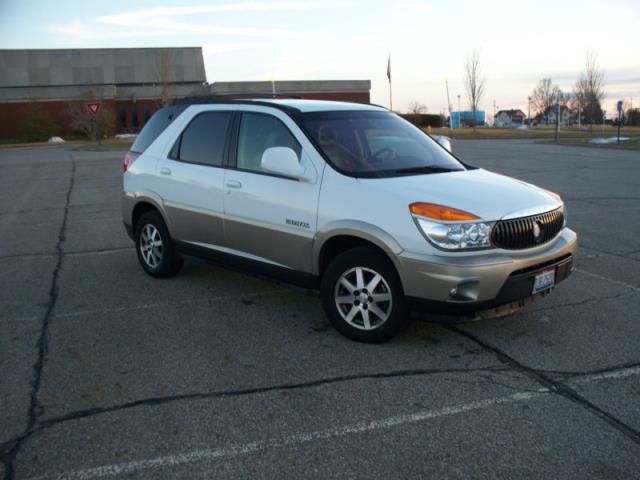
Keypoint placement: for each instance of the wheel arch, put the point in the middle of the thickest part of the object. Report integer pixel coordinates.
(144, 204)
(345, 235)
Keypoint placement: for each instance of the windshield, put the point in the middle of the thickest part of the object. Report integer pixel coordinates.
(376, 144)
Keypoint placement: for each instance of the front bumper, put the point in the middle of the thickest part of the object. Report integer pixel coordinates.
(458, 284)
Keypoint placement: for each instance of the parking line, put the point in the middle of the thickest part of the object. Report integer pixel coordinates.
(295, 439)
(615, 374)
(607, 279)
(147, 306)
(300, 438)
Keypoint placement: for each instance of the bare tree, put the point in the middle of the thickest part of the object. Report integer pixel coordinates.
(474, 82)
(590, 89)
(417, 107)
(82, 121)
(166, 77)
(545, 95)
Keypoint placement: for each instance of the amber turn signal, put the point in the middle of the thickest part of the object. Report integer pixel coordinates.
(440, 212)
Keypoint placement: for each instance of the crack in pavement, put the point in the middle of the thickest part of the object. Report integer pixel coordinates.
(607, 279)
(554, 386)
(581, 302)
(35, 407)
(8, 446)
(296, 438)
(613, 254)
(78, 253)
(586, 373)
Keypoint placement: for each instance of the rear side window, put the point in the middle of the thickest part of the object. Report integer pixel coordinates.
(155, 126)
(203, 140)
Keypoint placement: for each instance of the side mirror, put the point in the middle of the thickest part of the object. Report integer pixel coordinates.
(444, 141)
(283, 161)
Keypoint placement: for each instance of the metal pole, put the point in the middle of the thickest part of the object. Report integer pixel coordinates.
(389, 77)
(557, 120)
(446, 82)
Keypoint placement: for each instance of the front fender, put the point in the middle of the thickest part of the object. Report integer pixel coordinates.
(358, 229)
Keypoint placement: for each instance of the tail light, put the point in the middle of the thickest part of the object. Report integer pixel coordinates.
(129, 158)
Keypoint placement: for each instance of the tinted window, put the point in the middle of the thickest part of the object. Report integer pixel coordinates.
(259, 132)
(203, 139)
(376, 144)
(155, 126)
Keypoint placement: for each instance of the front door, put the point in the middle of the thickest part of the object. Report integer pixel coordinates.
(269, 217)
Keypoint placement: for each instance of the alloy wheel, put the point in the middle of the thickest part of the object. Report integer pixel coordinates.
(363, 298)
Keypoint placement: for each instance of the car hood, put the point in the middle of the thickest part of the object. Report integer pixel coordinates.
(488, 195)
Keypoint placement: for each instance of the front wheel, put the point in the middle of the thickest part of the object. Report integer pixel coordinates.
(362, 296)
(155, 248)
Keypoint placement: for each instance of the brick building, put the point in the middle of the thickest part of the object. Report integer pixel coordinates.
(130, 83)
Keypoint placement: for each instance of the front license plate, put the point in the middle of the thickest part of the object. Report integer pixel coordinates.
(544, 280)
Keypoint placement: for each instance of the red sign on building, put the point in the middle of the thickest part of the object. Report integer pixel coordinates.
(94, 108)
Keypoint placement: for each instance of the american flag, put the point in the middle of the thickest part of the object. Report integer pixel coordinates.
(389, 68)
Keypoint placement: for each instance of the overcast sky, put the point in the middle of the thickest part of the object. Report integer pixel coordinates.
(519, 42)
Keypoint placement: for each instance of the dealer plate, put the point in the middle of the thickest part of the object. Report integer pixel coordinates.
(544, 280)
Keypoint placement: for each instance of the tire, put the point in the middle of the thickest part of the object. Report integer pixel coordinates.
(155, 247)
(356, 312)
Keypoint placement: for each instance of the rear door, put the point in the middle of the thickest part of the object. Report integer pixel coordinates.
(192, 178)
(270, 217)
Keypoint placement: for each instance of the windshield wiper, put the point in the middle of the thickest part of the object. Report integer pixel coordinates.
(424, 169)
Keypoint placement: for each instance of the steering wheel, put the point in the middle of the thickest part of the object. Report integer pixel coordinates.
(389, 154)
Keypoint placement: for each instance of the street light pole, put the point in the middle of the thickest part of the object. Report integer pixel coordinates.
(459, 111)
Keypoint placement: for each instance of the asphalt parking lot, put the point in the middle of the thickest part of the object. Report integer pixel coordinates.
(107, 373)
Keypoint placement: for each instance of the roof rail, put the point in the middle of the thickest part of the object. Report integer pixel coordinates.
(236, 99)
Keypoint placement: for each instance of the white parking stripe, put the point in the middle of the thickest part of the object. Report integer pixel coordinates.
(615, 374)
(607, 279)
(253, 447)
(299, 438)
(146, 306)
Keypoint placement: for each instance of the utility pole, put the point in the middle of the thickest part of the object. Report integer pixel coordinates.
(446, 82)
(458, 110)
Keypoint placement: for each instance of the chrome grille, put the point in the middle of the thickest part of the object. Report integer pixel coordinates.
(519, 233)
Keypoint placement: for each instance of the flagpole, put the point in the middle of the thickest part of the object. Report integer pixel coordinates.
(446, 82)
(389, 77)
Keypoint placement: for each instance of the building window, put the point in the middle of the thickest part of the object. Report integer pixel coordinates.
(134, 116)
(122, 117)
(146, 113)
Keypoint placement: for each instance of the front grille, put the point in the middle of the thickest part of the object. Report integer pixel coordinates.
(519, 233)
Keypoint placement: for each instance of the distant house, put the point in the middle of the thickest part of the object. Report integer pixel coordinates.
(567, 116)
(509, 118)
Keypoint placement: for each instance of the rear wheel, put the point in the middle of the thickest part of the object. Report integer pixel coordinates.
(155, 248)
(362, 296)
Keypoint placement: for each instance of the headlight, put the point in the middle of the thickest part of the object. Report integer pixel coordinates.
(456, 236)
(451, 229)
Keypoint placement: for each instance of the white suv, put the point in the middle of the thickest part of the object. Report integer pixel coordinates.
(347, 198)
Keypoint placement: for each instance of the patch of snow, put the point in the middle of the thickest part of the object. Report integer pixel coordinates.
(55, 140)
(603, 141)
(126, 136)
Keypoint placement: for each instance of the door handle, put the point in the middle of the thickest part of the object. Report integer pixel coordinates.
(234, 184)
(165, 171)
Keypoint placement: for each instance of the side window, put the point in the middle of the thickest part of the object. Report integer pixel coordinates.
(203, 140)
(257, 133)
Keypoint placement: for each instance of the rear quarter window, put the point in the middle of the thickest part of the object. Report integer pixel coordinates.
(155, 126)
